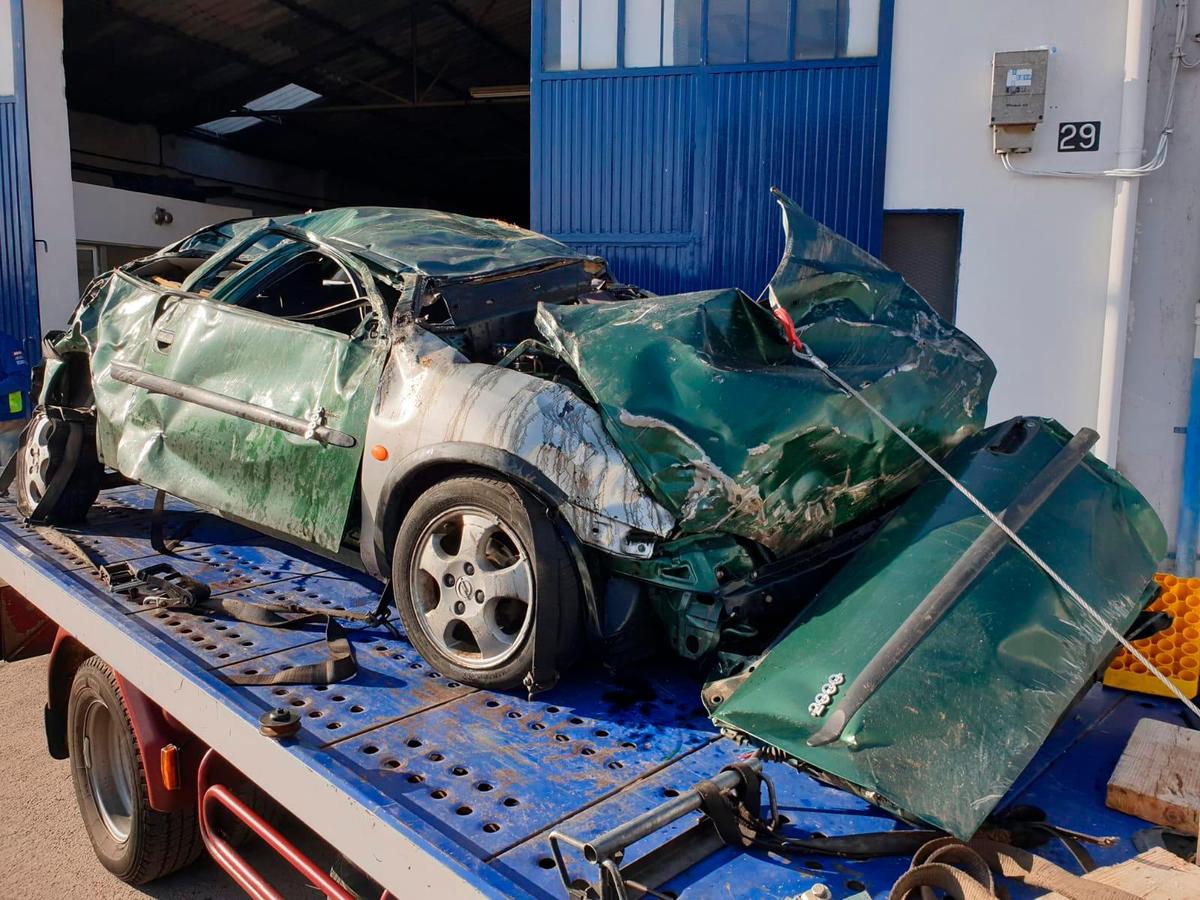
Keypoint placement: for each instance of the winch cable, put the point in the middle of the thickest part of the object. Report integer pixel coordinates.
(805, 353)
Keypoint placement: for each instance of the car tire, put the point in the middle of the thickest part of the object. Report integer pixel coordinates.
(134, 842)
(40, 454)
(460, 603)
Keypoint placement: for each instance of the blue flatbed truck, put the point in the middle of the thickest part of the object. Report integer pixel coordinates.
(434, 788)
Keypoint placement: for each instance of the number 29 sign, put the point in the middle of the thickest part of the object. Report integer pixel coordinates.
(1078, 137)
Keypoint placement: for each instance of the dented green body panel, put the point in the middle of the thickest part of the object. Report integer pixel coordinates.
(704, 397)
(947, 734)
(243, 469)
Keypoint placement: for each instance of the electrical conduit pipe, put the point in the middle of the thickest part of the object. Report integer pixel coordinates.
(1139, 26)
(1189, 499)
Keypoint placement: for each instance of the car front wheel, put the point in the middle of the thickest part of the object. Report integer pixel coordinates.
(474, 558)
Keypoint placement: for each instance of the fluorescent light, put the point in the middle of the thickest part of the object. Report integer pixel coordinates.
(499, 91)
(290, 96)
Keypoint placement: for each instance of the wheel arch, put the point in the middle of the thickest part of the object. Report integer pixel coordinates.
(63, 377)
(423, 468)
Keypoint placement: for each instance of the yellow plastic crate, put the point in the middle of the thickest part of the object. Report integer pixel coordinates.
(1175, 652)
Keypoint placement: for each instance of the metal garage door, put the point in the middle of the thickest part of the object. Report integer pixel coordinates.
(658, 127)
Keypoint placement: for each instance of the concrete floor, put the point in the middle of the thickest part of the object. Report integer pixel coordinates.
(44, 851)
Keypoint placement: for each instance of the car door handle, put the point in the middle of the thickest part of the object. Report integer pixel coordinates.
(163, 339)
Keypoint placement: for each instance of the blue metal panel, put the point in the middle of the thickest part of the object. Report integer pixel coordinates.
(666, 172)
(18, 277)
(811, 132)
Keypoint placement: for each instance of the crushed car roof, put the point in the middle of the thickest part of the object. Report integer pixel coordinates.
(438, 244)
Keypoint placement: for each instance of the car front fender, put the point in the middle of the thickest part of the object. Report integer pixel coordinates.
(436, 410)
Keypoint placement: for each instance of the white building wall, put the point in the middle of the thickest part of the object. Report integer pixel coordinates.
(108, 215)
(1033, 271)
(50, 162)
(1166, 285)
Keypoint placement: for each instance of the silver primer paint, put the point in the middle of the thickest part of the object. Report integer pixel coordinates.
(430, 394)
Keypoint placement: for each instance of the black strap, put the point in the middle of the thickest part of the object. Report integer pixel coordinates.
(62, 475)
(339, 665)
(721, 810)
(543, 663)
(737, 816)
(157, 527)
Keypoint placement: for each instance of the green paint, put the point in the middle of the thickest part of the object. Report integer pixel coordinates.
(947, 734)
(732, 434)
(285, 482)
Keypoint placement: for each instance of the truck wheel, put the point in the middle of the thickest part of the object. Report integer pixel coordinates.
(473, 557)
(41, 452)
(133, 841)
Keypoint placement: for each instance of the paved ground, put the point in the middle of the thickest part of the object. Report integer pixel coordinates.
(44, 851)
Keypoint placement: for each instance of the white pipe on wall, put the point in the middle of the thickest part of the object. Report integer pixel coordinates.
(1138, 29)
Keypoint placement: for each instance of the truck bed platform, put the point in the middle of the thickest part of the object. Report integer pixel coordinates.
(432, 786)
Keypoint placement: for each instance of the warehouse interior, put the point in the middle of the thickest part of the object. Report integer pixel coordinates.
(280, 105)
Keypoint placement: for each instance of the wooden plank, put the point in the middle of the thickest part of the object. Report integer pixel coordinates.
(1157, 874)
(1158, 776)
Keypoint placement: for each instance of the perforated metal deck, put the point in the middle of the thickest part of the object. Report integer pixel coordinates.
(478, 779)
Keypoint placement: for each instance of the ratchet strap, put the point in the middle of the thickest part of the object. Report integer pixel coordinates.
(162, 586)
(158, 528)
(964, 872)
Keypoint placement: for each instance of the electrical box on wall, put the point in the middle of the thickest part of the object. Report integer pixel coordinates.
(1018, 98)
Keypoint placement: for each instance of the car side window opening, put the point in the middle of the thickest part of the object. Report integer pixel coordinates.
(290, 279)
(309, 287)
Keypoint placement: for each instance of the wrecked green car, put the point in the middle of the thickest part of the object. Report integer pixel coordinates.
(488, 419)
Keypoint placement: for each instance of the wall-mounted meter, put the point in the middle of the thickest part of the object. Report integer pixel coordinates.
(1018, 98)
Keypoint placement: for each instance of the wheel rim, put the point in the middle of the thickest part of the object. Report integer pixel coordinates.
(107, 778)
(37, 460)
(471, 582)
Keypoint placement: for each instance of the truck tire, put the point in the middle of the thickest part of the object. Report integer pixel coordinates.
(41, 453)
(473, 557)
(133, 841)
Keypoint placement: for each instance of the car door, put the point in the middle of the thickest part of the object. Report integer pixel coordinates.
(255, 383)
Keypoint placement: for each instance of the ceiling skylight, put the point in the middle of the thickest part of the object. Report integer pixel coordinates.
(290, 96)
